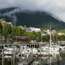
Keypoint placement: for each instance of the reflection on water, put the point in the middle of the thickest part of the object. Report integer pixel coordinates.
(59, 60)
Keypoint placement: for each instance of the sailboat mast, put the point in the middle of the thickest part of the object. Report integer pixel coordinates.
(50, 36)
(50, 43)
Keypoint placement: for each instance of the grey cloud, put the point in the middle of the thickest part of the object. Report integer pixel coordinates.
(54, 7)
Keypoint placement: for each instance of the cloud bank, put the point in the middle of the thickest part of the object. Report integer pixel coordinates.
(55, 7)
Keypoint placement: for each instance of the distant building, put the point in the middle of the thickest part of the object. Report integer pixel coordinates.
(22, 39)
(33, 29)
(60, 33)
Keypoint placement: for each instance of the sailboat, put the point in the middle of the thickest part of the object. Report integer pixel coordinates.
(51, 48)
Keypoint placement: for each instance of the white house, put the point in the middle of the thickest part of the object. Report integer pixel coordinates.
(33, 29)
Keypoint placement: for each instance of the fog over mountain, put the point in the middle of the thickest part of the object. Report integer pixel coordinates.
(30, 18)
(34, 12)
(54, 7)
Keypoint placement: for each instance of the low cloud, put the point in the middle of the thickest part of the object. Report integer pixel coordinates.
(55, 7)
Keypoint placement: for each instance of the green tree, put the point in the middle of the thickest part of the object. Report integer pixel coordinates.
(18, 31)
(1, 27)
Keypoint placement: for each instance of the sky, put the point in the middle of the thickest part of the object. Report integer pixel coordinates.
(55, 7)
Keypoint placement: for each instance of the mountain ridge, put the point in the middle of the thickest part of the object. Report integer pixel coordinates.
(30, 18)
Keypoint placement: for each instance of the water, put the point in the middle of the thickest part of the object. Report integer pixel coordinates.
(35, 60)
